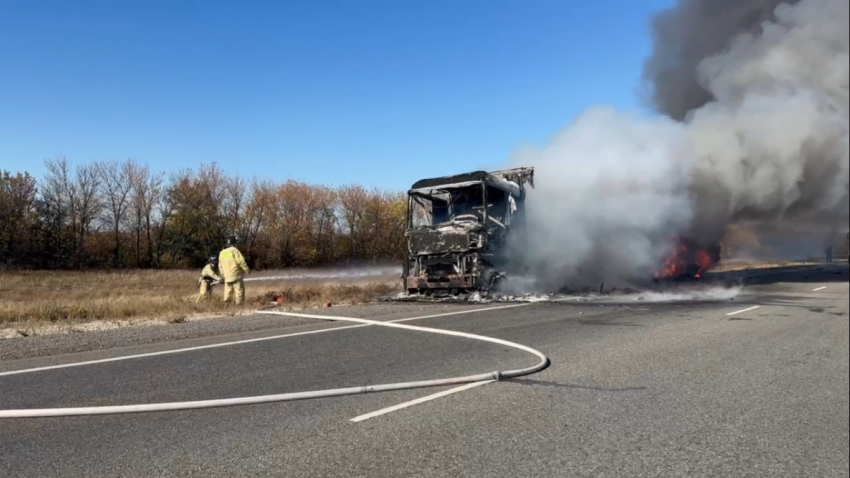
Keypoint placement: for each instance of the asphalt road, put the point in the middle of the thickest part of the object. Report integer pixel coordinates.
(635, 389)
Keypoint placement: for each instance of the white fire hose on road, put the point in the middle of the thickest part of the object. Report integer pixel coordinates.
(285, 397)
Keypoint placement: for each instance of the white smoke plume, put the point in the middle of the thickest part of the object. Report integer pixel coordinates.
(755, 101)
(610, 187)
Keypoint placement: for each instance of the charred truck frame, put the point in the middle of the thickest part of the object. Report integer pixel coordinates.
(461, 230)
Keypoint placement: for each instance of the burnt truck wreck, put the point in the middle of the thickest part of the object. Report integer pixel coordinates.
(462, 230)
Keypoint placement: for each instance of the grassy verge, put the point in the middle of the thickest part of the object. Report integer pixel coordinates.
(44, 297)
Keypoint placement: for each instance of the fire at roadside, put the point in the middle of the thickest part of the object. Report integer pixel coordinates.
(687, 261)
(465, 231)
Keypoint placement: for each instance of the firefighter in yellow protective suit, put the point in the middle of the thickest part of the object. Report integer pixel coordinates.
(209, 277)
(232, 266)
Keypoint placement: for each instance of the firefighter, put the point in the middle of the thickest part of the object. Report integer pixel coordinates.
(209, 277)
(232, 267)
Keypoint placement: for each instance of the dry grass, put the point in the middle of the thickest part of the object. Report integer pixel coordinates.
(72, 297)
(47, 297)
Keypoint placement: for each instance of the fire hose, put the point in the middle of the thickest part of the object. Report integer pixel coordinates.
(284, 397)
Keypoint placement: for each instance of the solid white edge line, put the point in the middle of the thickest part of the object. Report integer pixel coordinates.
(173, 351)
(819, 288)
(743, 310)
(284, 397)
(417, 401)
(239, 342)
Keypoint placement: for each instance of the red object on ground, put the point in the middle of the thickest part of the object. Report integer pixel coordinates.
(326, 305)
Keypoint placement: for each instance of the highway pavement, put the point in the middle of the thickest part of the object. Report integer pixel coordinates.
(751, 386)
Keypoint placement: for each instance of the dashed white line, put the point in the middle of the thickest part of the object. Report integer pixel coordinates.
(241, 342)
(743, 310)
(417, 401)
(819, 288)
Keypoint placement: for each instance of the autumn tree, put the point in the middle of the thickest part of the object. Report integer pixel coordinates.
(121, 214)
(117, 180)
(17, 216)
(89, 205)
(145, 192)
(233, 203)
(197, 225)
(325, 223)
(259, 210)
(353, 204)
(58, 208)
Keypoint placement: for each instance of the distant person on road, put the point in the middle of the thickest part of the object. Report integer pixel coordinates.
(209, 277)
(232, 266)
(829, 253)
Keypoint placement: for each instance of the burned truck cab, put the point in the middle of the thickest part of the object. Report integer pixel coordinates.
(462, 229)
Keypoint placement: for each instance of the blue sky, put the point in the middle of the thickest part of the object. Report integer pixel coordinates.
(379, 93)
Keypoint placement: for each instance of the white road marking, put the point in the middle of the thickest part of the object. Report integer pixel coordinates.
(174, 351)
(743, 310)
(819, 288)
(240, 342)
(283, 397)
(420, 400)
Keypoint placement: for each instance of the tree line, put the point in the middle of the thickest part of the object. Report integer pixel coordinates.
(123, 215)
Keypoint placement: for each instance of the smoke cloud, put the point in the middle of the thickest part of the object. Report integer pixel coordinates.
(686, 35)
(754, 97)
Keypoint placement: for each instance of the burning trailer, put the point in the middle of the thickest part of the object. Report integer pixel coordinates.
(461, 231)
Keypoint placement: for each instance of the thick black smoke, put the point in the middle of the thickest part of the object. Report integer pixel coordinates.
(772, 144)
(754, 96)
(689, 33)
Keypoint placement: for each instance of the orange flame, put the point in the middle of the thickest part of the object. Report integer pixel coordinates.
(687, 259)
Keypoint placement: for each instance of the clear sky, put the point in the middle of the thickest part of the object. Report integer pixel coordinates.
(380, 93)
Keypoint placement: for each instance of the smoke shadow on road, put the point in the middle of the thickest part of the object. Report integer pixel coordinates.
(545, 383)
(789, 302)
(804, 274)
(609, 323)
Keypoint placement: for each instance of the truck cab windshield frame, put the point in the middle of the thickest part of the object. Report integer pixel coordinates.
(458, 228)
